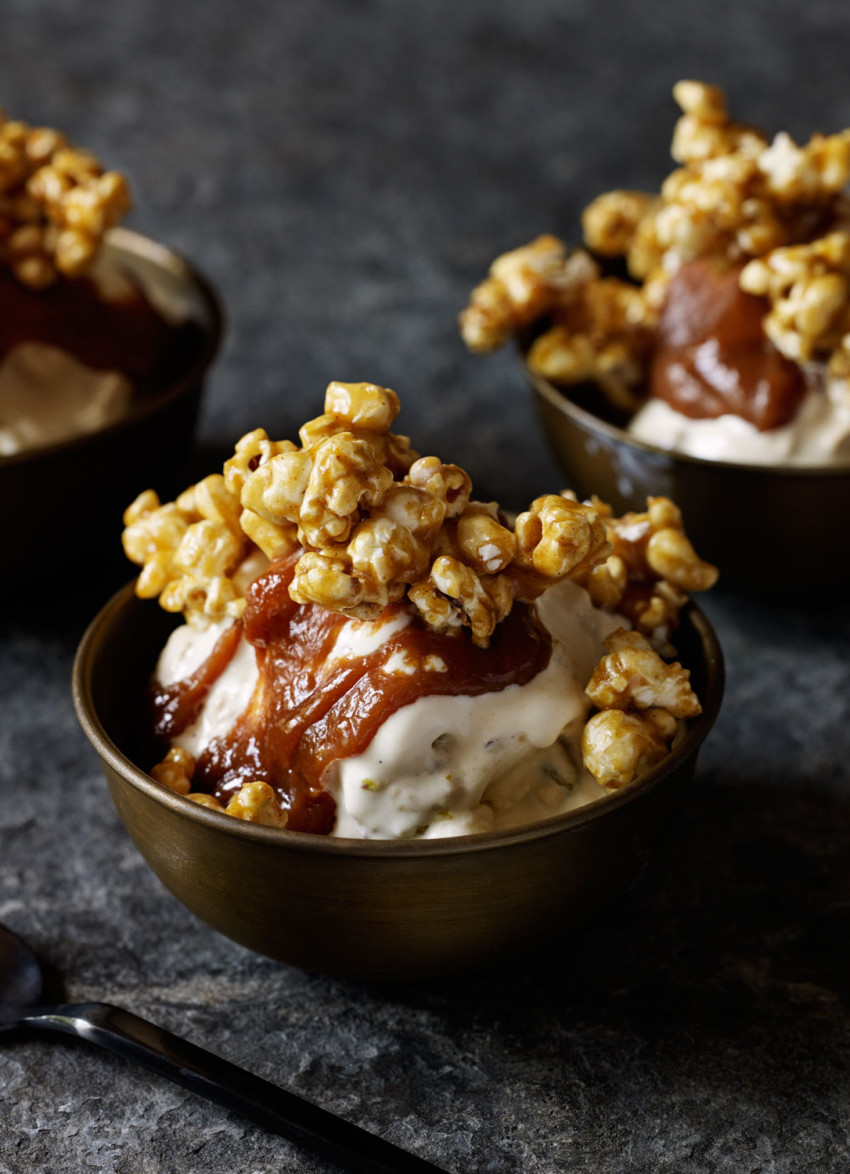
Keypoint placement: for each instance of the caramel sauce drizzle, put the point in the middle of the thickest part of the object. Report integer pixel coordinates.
(305, 713)
(713, 357)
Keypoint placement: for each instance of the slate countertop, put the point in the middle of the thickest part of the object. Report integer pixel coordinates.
(344, 173)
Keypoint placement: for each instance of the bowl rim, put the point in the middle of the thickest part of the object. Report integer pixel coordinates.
(559, 399)
(128, 241)
(307, 843)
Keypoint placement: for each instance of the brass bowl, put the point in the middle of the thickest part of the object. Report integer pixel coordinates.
(66, 497)
(766, 528)
(376, 910)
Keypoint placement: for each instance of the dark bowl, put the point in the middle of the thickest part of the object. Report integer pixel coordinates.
(377, 910)
(64, 499)
(767, 529)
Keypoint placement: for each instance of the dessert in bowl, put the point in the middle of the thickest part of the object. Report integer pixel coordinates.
(105, 337)
(387, 731)
(699, 345)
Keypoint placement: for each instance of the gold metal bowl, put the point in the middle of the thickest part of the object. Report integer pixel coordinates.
(766, 528)
(377, 910)
(60, 498)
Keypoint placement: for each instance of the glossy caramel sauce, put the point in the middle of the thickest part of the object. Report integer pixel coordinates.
(306, 713)
(126, 335)
(712, 357)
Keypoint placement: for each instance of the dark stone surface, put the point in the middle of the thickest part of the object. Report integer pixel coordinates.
(345, 172)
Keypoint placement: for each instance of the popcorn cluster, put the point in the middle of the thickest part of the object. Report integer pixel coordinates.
(56, 204)
(651, 571)
(640, 698)
(375, 523)
(776, 209)
(601, 327)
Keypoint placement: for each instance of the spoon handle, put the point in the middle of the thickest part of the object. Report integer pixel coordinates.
(274, 1108)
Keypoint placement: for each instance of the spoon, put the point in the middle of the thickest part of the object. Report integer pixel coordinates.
(119, 1031)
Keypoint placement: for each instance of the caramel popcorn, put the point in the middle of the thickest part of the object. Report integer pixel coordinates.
(807, 287)
(256, 803)
(367, 522)
(647, 578)
(175, 771)
(775, 209)
(374, 521)
(56, 204)
(640, 698)
(651, 570)
(188, 550)
(523, 285)
(601, 326)
(618, 746)
(633, 676)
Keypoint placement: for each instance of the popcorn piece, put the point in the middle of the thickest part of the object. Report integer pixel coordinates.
(365, 411)
(272, 538)
(640, 697)
(327, 580)
(484, 543)
(810, 174)
(454, 594)
(611, 221)
(207, 555)
(449, 483)
(619, 746)
(345, 478)
(557, 539)
(252, 450)
(175, 771)
(255, 802)
(633, 675)
(151, 536)
(604, 338)
(671, 556)
(56, 204)
(392, 547)
(362, 406)
(705, 130)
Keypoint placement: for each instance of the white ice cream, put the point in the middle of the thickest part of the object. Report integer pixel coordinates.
(47, 395)
(442, 766)
(819, 434)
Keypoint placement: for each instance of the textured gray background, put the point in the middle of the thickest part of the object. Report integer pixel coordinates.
(345, 172)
